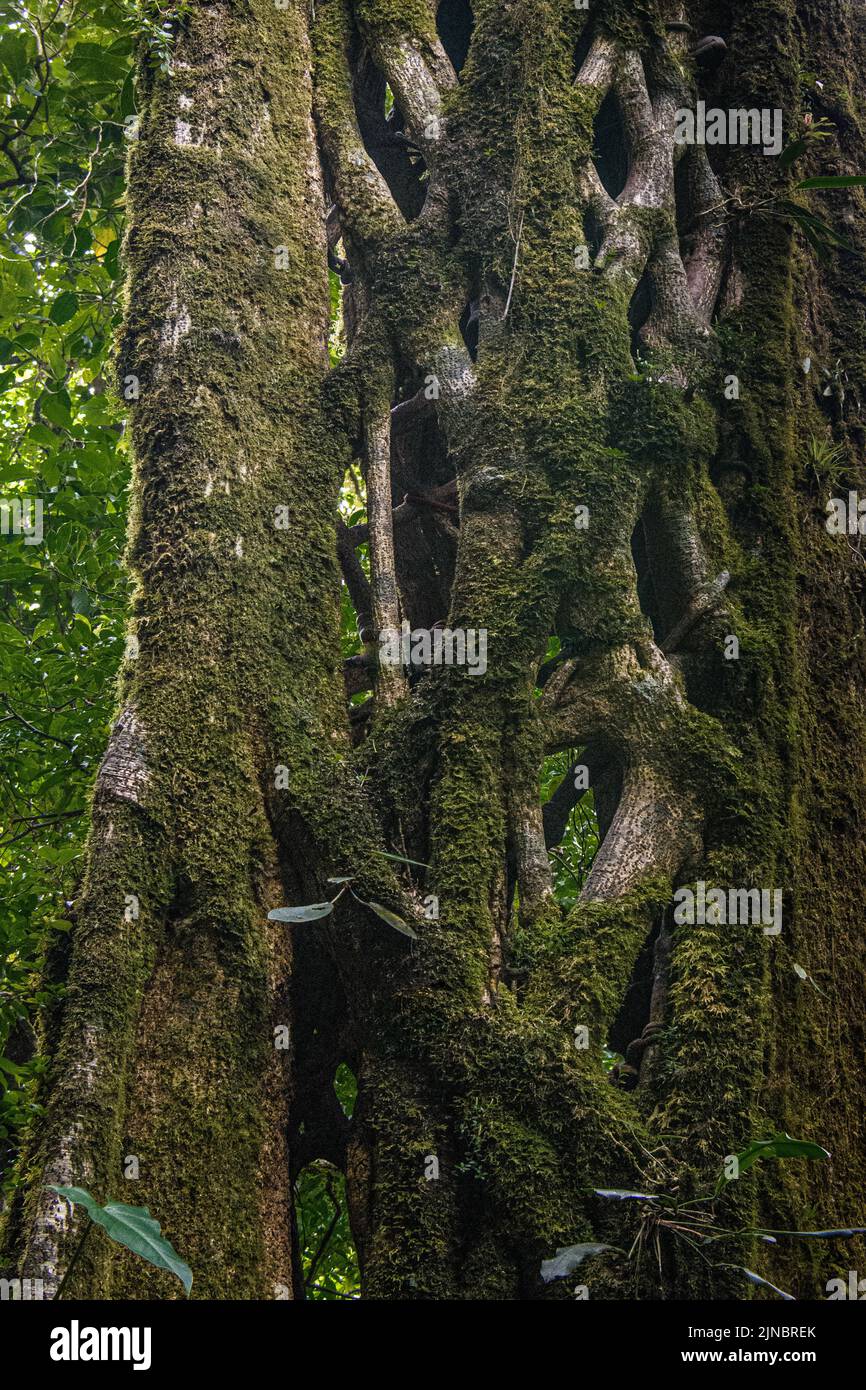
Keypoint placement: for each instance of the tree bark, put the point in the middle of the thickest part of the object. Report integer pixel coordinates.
(558, 385)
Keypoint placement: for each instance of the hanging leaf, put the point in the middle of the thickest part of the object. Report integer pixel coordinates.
(568, 1258)
(133, 1227)
(56, 407)
(820, 236)
(819, 130)
(756, 1279)
(795, 150)
(102, 239)
(392, 919)
(310, 913)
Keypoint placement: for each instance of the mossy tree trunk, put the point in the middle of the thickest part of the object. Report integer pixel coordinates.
(574, 383)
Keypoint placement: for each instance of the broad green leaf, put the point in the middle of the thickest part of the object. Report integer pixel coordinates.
(41, 434)
(13, 54)
(778, 1146)
(133, 1227)
(56, 407)
(92, 60)
(822, 131)
(64, 307)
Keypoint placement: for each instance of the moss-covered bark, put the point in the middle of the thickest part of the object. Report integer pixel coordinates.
(596, 383)
(167, 1050)
(558, 416)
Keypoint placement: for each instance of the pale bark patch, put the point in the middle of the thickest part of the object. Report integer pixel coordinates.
(123, 774)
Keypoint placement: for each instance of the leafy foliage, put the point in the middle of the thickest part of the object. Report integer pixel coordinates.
(67, 88)
(328, 1256)
(572, 858)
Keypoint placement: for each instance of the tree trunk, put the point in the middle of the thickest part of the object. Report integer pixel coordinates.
(574, 383)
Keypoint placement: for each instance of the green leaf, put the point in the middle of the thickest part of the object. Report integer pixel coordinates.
(46, 627)
(300, 914)
(778, 1146)
(392, 919)
(127, 96)
(791, 152)
(822, 130)
(835, 181)
(400, 858)
(819, 235)
(56, 407)
(133, 1227)
(92, 60)
(13, 54)
(568, 1258)
(111, 257)
(64, 307)
(41, 434)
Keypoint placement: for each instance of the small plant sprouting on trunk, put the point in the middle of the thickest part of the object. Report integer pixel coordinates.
(694, 1220)
(311, 912)
(133, 1227)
